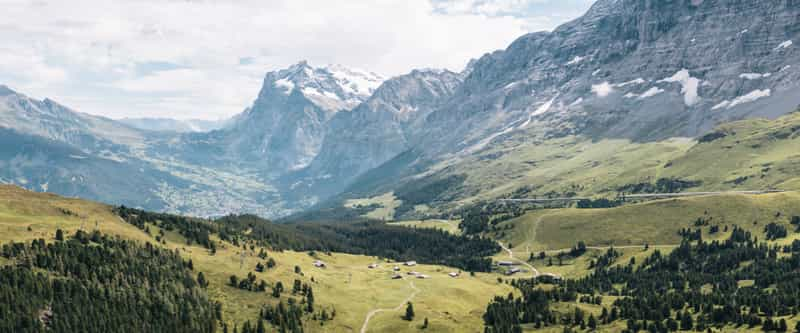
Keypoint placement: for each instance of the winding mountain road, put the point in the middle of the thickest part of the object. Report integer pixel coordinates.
(399, 307)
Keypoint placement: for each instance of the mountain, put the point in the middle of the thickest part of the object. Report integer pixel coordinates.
(643, 70)
(600, 102)
(174, 125)
(377, 130)
(285, 127)
(628, 72)
(49, 147)
(49, 119)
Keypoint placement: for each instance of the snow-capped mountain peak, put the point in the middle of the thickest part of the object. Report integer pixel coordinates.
(334, 87)
(355, 81)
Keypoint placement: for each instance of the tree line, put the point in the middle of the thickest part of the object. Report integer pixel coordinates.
(95, 283)
(696, 287)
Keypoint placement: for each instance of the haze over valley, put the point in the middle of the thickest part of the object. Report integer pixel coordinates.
(615, 166)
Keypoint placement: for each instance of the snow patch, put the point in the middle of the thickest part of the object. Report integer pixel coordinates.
(511, 85)
(577, 101)
(596, 72)
(602, 90)
(785, 45)
(651, 92)
(631, 82)
(483, 143)
(630, 95)
(575, 60)
(723, 104)
(540, 110)
(308, 91)
(287, 85)
(689, 86)
(754, 76)
(751, 97)
(355, 81)
(544, 107)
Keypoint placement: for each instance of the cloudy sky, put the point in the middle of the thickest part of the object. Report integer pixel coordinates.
(205, 59)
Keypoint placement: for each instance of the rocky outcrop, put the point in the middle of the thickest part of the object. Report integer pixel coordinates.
(378, 129)
(284, 128)
(638, 69)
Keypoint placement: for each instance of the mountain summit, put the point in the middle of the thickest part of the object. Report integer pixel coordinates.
(642, 70)
(284, 128)
(630, 70)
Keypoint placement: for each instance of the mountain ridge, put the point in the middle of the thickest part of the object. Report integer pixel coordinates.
(630, 70)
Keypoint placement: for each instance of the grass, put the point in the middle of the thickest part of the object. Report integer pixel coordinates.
(386, 204)
(755, 154)
(444, 225)
(654, 222)
(346, 285)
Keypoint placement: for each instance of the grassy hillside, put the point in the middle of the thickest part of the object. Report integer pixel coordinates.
(347, 285)
(655, 222)
(745, 155)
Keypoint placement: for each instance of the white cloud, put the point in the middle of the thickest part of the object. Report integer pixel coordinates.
(206, 59)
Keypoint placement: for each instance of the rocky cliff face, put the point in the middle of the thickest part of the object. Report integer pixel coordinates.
(45, 146)
(642, 70)
(638, 69)
(377, 130)
(51, 120)
(285, 127)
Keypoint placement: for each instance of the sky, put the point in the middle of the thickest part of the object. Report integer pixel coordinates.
(204, 59)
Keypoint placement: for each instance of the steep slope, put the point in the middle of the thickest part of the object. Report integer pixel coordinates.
(47, 118)
(642, 70)
(754, 154)
(605, 99)
(49, 147)
(376, 131)
(47, 165)
(346, 286)
(284, 128)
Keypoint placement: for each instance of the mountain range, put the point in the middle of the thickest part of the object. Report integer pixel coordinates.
(629, 74)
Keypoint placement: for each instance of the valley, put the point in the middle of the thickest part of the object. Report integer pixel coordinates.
(356, 296)
(634, 169)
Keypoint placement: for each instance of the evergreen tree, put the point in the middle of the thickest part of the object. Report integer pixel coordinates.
(260, 328)
(409, 312)
(592, 322)
(201, 280)
(310, 300)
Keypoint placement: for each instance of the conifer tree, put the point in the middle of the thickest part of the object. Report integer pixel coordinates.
(409, 312)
